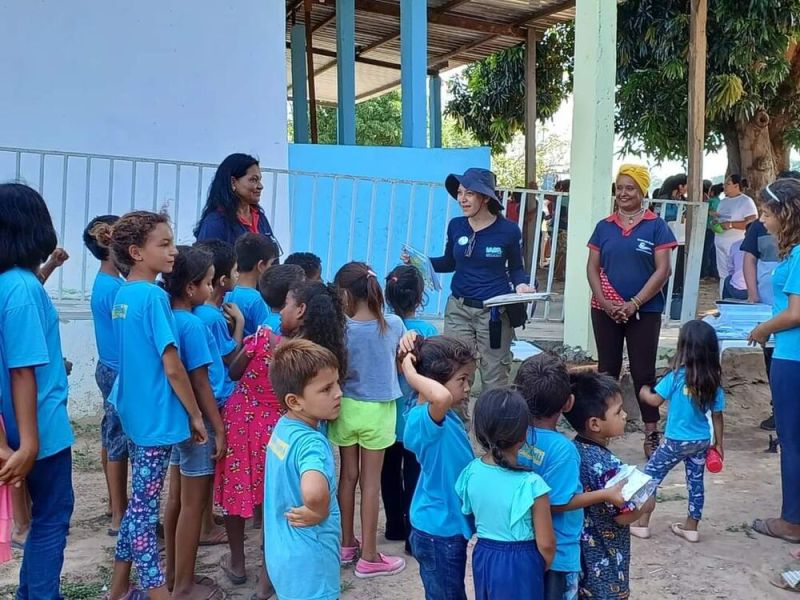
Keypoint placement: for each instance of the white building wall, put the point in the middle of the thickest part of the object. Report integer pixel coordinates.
(181, 80)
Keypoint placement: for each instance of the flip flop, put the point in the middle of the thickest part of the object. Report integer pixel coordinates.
(17, 545)
(784, 581)
(642, 533)
(232, 577)
(795, 554)
(112, 532)
(221, 537)
(762, 526)
(689, 536)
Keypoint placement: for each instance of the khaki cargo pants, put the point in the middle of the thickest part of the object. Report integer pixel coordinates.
(472, 326)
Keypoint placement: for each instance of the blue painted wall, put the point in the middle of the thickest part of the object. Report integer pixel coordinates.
(354, 217)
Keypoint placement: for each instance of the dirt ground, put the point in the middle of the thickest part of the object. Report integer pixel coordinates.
(730, 562)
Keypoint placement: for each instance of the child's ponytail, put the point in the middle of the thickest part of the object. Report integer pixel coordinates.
(501, 422)
(405, 290)
(359, 282)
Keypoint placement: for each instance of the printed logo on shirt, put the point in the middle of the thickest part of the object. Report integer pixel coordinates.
(532, 454)
(645, 246)
(119, 311)
(494, 252)
(463, 240)
(278, 447)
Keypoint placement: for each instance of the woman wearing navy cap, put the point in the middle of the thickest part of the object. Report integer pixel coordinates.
(484, 252)
(629, 262)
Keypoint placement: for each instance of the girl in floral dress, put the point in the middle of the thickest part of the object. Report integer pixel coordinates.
(249, 415)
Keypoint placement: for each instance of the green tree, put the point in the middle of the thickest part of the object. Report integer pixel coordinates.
(488, 99)
(378, 121)
(753, 83)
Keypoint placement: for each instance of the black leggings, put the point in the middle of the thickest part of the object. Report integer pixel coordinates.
(398, 481)
(641, 337)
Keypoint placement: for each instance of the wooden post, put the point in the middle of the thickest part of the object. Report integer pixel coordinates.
(312, 88)
(530, 109)
(695, 215)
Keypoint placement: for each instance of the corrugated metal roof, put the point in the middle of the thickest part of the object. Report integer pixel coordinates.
(459, 32)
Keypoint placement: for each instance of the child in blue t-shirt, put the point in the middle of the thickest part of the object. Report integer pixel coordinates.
(597, 416)
(516, 543)
(301, 513)
(693, 389)
(153, 393)
(543, 381)
(439, 370)
(274, 284)
(114, 442)
(405, 293)
(35, 445)
(191, 464)
(255, 254)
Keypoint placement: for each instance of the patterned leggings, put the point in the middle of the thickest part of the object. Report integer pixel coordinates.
(138, 541)
(693, 455)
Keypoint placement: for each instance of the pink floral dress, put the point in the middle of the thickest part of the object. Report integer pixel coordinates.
(249, 417)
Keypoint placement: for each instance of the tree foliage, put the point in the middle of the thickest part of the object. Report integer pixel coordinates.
(752, 90)
(378, 121)
(748, 71)
(488, 99)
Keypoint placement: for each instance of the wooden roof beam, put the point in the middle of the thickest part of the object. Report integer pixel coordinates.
(446, 19)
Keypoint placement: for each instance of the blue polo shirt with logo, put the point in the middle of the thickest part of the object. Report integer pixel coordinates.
(628, 257)
(494, 262)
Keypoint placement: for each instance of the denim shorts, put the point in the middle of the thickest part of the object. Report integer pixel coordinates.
(112, 436)
(442, 564)
(195, 459)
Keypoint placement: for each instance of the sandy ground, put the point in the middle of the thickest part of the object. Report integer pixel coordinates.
(730, 561)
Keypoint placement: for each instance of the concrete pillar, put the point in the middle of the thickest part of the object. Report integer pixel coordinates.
(346, 71)
(435, 110)
(299, 79)
(413, 71)
(592, 153)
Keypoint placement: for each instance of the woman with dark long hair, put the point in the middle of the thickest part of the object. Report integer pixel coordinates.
(232, 207)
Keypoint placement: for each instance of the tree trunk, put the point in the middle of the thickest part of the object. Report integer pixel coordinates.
(757, 161)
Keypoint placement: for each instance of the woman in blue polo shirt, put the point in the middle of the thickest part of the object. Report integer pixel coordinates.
(781, 217)
(232, 208)
(629, 262)
(484, 251)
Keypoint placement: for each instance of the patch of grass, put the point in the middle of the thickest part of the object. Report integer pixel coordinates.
(82, 588)
(743, 528)
(86, 429)
(85, 458)
(346, 586)
(670, 497)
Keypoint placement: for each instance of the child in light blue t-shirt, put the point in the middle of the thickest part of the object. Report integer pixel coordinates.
(153, 394)
(302, 522)
(405, 292)
(439, 370)
(543, 381)
(255, 254)
(516, 543)
(693, 390)
(113, 440)
(192, 464)
(32, 374)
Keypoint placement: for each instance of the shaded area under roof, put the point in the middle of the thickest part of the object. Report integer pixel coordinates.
(460, 32)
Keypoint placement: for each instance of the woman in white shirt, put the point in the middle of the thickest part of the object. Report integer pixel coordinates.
(734, 213)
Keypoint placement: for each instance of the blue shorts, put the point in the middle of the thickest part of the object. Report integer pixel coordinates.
(195, 459)
(112, 436)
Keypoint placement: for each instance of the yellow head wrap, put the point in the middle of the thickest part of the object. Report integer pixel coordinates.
(639, 174)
